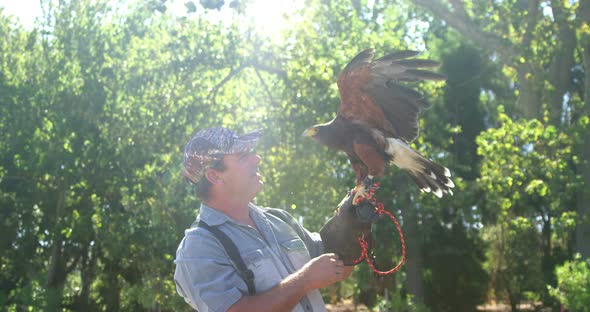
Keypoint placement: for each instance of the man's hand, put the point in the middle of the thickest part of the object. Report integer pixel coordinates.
(324, 270)
(319, 272)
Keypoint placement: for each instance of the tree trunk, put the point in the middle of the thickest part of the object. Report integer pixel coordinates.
(88, 275)
(414, 261)
(528, 100)
(562, 63)
(112, 291)
(56, 271)
(547, 263)
(583, 198)
(511, 296)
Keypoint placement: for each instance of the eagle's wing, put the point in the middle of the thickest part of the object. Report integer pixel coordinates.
(370, 92)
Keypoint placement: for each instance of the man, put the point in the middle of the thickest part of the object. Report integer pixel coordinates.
(286, 261)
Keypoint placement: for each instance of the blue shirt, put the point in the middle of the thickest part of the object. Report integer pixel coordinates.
(206, 278)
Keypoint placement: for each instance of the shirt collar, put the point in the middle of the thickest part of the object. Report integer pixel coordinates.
(256, 213)
(214, 217)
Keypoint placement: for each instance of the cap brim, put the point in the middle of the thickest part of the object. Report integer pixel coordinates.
(245, 142)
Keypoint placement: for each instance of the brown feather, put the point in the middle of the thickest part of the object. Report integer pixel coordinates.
(397, 56)
(371, 158)
(362, 58)
(400, 112)
(417, 63)
(369, 92)
(356, 104)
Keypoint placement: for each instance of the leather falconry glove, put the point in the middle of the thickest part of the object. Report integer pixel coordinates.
(350, 221)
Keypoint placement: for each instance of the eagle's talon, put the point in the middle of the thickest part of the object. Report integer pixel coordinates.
(363, 190)
(367, 181)
(360, 192)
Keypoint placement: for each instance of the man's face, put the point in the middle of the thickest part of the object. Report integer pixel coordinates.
(241, 177)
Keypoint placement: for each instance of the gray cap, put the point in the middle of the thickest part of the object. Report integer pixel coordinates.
(209, 145)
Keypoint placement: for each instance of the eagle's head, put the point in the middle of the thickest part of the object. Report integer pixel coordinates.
(322, 133)
(317, 132)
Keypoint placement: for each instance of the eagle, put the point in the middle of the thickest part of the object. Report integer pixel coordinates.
(378, 119)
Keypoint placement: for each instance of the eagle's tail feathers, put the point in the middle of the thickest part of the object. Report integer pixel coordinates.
(428, 175)
(422, 183)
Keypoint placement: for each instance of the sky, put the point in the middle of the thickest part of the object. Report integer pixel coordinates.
(266, 15)
(25, 10)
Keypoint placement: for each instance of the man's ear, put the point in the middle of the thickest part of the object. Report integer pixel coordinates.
(213, 176)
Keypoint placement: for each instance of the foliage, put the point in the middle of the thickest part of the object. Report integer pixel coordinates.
(398, 302)
(97, 166)
(573, 280)
(455, 279)
(526, 169)
(100, 96)
(514, 261)
(529, 182)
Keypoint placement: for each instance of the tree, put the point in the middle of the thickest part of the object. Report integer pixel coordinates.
(98, 100)
(529, 183)
(537, 42)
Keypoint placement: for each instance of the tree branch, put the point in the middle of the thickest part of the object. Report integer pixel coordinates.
(72, 265)
(529, 97)
(213, 94)
(459, 8)
(464, 25)
(254, 64)
(268, 93)
(263, 67)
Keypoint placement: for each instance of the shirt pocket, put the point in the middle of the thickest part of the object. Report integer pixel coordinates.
(296, 252)
(266, 275)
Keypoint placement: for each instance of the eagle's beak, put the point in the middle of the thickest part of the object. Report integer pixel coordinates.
(309, 132)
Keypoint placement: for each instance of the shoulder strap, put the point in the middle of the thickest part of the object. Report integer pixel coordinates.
(283, 215)
(230, 247)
